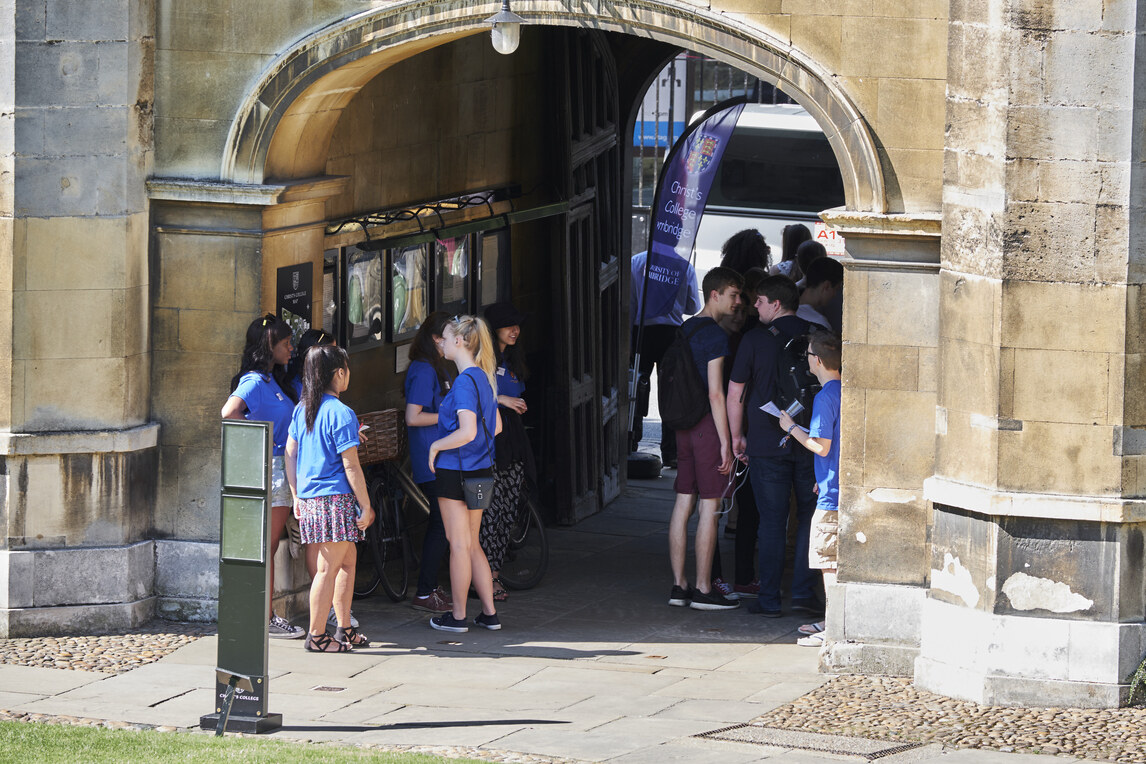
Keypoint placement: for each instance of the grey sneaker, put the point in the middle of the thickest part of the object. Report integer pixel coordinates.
(280, 628)
(332, 619)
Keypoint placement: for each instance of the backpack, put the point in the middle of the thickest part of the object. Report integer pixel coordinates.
(682, 396)
(794, 380)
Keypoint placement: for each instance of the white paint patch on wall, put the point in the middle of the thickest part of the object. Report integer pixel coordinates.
(861, 537)
(892, 495)
(955, 579)
(1032, 593)
(991, 583)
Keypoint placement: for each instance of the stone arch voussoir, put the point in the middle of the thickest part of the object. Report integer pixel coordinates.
(420, 24)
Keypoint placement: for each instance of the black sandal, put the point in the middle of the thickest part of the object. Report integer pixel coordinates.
(351, 636)
(324, 643)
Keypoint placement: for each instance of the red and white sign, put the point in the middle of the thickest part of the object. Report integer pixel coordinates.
(832, 241)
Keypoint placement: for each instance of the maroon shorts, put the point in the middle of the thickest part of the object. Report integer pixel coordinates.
(698, 461)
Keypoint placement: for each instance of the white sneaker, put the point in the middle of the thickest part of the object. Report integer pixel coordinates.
(812, 640)
(332, 619)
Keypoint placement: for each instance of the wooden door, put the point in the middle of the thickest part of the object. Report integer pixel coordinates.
(591, 367)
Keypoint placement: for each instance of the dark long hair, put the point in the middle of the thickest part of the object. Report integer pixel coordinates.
(309, 339)
(258, 354)
(744, 250)
(513, 358)
(322, 361)
(423, 348)
(794, 235)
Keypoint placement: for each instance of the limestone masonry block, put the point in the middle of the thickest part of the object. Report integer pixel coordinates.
(900, 444)
(1063, 316)
(882, 367)
(1093, 70)
(1061, 386)
(94, 20)
(1052, 132)
(94, 576)
(873, 55)
(1049, 242)
(1053, 457)
(75, 394)
(969, 377)
(82, 253)
(99, 334)
(966, 451)
(883, 537)
(902, 308)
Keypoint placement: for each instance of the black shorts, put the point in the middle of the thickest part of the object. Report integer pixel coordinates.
(448, 483)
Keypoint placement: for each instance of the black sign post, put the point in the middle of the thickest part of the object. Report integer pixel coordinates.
(293, 297)
(244, 582)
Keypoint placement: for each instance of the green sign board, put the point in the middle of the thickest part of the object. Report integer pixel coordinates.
(244, 455)
(244, 528)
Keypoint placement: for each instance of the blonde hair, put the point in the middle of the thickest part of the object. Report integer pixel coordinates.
(478, 340)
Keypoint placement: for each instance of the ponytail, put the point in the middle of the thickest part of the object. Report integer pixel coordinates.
(322, 361)
(478, 340)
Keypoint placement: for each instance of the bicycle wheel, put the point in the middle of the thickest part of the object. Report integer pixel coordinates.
(366, 576)
(394, 546)
(528, 555)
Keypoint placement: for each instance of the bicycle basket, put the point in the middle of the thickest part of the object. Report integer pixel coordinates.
(386, 436)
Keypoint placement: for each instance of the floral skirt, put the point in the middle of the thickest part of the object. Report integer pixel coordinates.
(329, 518)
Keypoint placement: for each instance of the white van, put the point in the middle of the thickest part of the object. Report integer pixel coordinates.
(778, 169)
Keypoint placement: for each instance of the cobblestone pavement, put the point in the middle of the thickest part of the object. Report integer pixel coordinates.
(448, 752)
(890, 708)
(112, 653)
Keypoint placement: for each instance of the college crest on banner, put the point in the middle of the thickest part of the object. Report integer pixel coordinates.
(682, 192)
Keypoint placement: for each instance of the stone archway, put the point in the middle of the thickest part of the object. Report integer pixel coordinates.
(299, 97)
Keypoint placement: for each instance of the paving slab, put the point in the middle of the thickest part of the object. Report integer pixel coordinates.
(45, 681)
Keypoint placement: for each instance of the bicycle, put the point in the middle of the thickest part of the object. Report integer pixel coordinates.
(527, 557)
(386, 555)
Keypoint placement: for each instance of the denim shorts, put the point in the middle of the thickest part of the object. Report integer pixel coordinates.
(280, 488)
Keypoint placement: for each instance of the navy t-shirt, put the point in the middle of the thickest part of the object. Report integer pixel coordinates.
(266, 402)
(709, 342)
(422, 389)
(755, 367)
(470, 392)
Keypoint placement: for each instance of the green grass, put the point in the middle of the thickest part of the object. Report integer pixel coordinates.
(38, 742)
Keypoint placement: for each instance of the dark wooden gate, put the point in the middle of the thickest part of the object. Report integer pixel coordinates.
(591, 367)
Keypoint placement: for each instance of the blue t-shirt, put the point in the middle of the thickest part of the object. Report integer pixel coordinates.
(470, 392)
(422, 389)
(320, 471)
(266, 402)
(826, 424)
(755, 367)
(508, 383)
(709, 342)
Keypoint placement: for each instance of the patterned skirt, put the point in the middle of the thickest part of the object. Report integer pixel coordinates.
(329, 518)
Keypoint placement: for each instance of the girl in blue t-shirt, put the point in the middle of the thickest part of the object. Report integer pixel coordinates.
(467, 423)
(515, 469)
(427, 380)
(261, 395)
(330, 497)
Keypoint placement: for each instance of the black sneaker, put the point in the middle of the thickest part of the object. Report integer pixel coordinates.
(487, 621)
(680, 597)
(754, 607)
(713, 600)
(447, 622)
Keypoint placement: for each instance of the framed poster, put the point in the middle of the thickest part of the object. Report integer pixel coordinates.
(452, 274)
(293, 297)
(362, 287)
(408, 291)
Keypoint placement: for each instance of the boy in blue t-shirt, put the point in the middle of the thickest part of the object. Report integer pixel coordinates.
(822, 438)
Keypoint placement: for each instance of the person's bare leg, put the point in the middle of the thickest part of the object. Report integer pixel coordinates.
(311, 559)
(678, 537)
(479, 565)
(278, 525)
(330, 556)
(455, 516)
(705, 542)
(344, 584)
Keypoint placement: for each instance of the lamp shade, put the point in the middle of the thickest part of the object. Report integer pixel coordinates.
(506, 32)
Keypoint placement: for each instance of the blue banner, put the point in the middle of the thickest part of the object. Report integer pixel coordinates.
(682, 193)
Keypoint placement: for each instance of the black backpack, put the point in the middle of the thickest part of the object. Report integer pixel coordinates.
(682, 396)
(794, 380)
